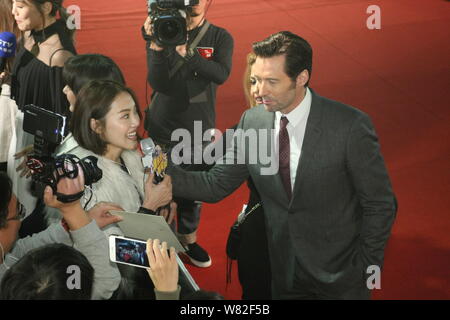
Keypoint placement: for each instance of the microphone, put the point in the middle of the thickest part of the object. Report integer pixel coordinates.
(7, 48)
(148, 148)
(155, 160)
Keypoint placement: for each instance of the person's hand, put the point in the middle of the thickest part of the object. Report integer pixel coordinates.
(157, 195)
(22, 168)
(65, 186)
(181, 50)
(149, 31)
(72, 212)
(3, 76)
(163, 267)
(100, 213)
(169, 213)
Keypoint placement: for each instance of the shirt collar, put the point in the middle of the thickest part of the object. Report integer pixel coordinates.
(299, 112)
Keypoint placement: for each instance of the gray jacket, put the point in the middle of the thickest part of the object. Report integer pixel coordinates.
(89, 240)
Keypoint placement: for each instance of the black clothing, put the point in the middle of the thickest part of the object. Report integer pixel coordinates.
(190, 94)
(35, 82)
(253, 253)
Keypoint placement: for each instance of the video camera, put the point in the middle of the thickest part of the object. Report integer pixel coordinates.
(48, 129)
(168, 23)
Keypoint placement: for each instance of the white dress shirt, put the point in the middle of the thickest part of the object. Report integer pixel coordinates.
(296, 129)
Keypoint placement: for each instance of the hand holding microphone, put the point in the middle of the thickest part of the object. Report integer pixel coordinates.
(154, 159)
(159, 195)
(158, 186)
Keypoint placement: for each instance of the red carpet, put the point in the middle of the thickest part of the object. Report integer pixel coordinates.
(399, 75)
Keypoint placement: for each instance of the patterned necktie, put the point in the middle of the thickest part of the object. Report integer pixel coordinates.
(284, 156)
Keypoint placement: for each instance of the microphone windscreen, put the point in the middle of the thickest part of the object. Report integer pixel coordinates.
(7, 44)
(147, 146)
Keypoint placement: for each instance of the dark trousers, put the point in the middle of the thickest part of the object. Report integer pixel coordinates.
(188, 211)
(306, 288)
(3, 166)
(188, 215)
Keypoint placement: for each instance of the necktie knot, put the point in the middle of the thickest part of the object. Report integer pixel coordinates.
(283, 122)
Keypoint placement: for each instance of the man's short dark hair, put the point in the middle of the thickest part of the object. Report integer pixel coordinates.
(297, 50)
(43, 274)
(79, 70)
(5, 197)
(94, 102)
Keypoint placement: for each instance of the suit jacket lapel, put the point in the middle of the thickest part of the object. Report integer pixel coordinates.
(312, 135)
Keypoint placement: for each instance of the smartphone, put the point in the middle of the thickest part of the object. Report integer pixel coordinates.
(128, 251)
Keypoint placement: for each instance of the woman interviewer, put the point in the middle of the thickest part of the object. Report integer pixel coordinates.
(105, 123)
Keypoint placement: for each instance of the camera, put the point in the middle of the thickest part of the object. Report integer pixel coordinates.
(48, 129)
(169, 21)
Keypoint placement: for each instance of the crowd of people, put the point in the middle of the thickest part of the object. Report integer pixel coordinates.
(311, 228)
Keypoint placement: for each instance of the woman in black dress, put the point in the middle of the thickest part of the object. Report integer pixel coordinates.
(47, 44)
(37, 72)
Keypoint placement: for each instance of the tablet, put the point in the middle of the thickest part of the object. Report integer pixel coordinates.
(144, 226)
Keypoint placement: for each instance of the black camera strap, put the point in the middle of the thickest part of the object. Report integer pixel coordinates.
(192, 46)
(68, 198)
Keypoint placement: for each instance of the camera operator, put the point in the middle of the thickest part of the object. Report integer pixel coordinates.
(78, 229)
(187, 96)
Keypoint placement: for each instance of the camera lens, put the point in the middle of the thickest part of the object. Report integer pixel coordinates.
(169, 29)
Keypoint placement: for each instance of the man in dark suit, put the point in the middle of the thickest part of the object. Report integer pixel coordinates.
(330, 207)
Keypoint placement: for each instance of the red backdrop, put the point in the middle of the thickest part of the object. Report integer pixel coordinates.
(399, 75)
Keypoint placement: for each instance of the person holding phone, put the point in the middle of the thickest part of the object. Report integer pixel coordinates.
(163, 270)
(159, 261)
(79, 229)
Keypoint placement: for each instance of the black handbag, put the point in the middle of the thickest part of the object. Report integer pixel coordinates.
(234, 237)
(234, 241)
